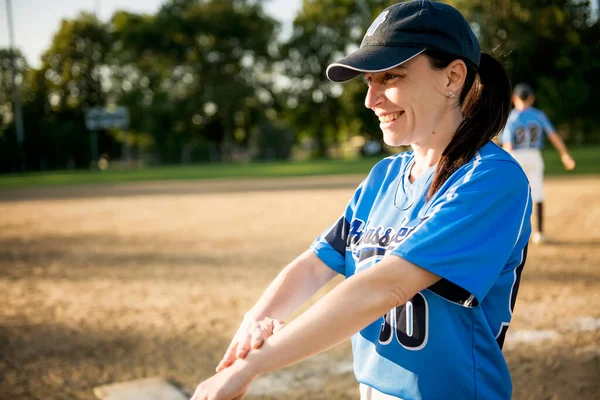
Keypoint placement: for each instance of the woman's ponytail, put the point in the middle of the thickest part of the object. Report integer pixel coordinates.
(485, 105)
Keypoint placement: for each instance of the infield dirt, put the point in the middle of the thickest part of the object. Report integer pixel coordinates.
(103, 284)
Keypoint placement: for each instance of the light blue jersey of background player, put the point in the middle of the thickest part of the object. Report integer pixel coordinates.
(466, 235)
(525, 129)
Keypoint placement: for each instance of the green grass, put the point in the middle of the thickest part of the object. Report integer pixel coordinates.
(587, 159)
(199, 171)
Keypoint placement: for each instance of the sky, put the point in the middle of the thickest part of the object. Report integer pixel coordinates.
(36, 21)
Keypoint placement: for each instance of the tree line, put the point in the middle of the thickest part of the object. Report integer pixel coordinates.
(212, 80)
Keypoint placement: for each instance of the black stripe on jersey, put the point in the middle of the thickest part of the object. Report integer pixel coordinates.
(369, 252)
(337, 236)
(454, 293)
(513, 297)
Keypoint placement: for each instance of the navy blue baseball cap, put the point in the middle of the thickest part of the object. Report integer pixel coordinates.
(404, 31)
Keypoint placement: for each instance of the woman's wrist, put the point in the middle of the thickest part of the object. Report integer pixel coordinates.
(255, 316)
(252, 317)
(249, 370)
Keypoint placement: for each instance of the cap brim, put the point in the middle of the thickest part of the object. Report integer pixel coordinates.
(370, 59)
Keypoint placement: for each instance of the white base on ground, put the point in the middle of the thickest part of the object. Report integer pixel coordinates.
(140, 389)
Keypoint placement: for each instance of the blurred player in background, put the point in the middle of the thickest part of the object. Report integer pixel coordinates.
(432, 243)
(523, 137)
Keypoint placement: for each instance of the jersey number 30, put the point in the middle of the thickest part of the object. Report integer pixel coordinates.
(408, 322)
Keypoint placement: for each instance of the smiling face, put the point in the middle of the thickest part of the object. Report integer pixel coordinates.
(411, 101)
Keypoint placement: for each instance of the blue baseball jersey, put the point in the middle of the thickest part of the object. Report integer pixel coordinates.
(446, 342)
(525, 129)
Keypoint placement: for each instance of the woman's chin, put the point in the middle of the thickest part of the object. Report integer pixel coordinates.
(394, 139)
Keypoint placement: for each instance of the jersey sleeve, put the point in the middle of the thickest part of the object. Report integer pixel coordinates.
(470, 230)
(546, 124)
(330, 246)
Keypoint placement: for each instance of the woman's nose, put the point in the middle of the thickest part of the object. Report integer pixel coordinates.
(373, 97)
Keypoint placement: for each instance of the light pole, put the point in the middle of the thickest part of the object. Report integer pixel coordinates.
(16, 96)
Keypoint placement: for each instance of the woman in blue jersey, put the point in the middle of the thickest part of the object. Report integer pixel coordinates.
(433, 241)
(523, 137)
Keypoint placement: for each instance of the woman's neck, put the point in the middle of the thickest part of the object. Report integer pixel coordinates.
(428, 152)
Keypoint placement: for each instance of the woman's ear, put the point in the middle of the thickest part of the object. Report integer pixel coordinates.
(456, 74)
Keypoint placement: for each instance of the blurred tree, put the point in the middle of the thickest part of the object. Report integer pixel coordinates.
(57, 95)
(73, 64)
(205, 77)
(323, 32)
(553, 45)
(201, 70)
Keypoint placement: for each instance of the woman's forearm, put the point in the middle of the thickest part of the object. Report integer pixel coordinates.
(294, 285)
(348, 308)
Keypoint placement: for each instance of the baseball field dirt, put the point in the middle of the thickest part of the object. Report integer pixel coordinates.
(105, 284)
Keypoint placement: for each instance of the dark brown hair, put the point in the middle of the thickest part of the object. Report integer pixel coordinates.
(485, 105)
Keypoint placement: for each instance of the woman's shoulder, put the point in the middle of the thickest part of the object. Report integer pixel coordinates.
(490, 170)
(493, 157)
(493, 152)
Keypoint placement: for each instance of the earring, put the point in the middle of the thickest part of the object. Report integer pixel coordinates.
(451, 94)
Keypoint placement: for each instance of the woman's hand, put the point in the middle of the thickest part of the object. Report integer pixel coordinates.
(250, 335)
(230, 384)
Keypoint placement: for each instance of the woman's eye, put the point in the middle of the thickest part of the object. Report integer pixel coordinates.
(389, 77)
